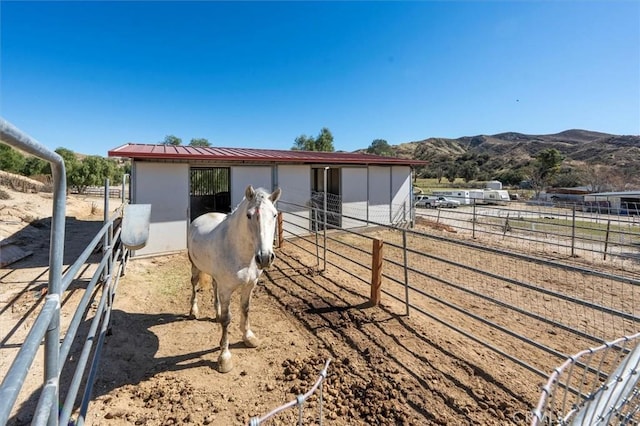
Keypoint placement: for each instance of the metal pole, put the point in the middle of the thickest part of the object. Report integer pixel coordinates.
(108, 235)
(324, 245)
(473, 221)
(406, 272)
(573, 233)
(124, 179)
(315, 226)
(18, 139)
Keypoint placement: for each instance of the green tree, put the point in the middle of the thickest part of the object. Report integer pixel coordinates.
(511, 176)
(440, 170)
(451, 172)
(115, 171)
(35, 166)
(469, 170)
(70, 161)
(199, 142)
(323, 142)
(380, 147)
(91, 171)
(11, 160)
(304, 143)
(67, 155)
(545, 166)
(172, 140)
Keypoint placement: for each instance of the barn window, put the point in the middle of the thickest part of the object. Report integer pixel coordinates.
(209, 190)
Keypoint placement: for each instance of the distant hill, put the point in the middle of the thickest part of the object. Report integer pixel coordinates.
(577, 146)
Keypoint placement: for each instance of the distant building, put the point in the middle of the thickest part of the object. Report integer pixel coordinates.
(622, 202)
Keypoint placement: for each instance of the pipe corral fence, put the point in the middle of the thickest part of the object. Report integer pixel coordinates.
(100, 291)
(525, 306)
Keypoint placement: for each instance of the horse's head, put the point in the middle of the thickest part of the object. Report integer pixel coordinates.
(262, 214)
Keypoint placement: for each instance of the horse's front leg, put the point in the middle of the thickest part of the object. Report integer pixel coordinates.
(248, 337)
(216, 298)
(195, 279)
(225, 364)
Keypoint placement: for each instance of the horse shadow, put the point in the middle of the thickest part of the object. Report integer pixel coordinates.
(128, 357)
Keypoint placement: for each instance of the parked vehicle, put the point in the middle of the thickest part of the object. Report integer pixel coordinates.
(434, 201)
(426, 201)
(448, 202)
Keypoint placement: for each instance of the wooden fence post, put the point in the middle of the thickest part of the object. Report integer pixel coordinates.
(376, 272)
(280, 230)
(606, 239)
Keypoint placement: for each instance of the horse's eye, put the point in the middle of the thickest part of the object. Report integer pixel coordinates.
(249, 216)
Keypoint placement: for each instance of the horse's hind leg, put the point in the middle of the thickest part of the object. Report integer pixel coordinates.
(195, 279)
(248, 337)
(225, 364)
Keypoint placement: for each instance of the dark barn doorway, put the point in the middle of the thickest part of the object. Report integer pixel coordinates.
(209, 190)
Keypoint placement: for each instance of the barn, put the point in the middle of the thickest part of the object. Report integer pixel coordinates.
(622, 202)
(182, 182)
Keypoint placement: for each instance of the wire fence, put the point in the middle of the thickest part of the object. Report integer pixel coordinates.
(599, 239)
(531, 308)
(299, 402)
(595, 386)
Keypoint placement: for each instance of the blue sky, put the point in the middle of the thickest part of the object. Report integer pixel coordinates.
(91, 76)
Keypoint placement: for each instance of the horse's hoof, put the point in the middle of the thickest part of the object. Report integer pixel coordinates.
(193, 314)
(251, 341)
(225, 364)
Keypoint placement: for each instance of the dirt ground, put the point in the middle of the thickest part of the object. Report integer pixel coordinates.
(159, 366)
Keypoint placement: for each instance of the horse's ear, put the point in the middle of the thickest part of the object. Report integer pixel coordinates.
(249, 193)
(275, 195)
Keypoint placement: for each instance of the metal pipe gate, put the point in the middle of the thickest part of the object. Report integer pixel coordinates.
(50, 409)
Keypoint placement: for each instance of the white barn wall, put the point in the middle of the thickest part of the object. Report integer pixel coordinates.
(243, 176)
(354, 195)
(379, 194)
(401, 190)
(295, 182)
(152, 182)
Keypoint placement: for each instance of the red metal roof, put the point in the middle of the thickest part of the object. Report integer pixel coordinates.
(166, 152)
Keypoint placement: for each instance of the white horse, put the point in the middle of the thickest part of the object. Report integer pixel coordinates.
(233, 249)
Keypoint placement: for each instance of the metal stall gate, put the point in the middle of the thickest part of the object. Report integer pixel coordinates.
(209, 190)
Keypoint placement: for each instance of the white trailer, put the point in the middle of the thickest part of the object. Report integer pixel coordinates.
(461, 195)
(495, 196)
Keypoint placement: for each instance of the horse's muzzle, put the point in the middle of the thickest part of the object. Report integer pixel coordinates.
(264, 259)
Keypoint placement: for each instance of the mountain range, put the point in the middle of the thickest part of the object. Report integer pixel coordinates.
(576, 146)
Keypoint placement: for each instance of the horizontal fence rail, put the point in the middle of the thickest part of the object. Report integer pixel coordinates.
(51, 409)
(513, 299)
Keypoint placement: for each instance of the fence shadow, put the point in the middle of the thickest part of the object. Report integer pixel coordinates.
(35, 238)
(366, 333)
(129, 357)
